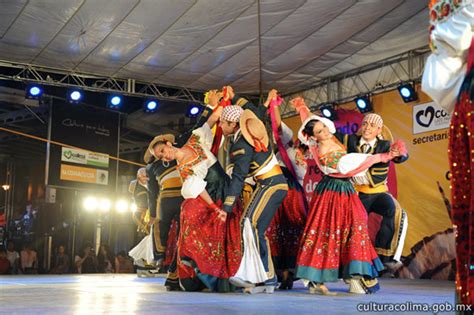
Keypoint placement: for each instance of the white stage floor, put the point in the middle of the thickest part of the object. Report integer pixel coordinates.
(127, 294)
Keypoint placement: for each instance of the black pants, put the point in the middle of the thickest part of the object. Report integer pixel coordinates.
(266, 199)
(382, 204)
(170, 208)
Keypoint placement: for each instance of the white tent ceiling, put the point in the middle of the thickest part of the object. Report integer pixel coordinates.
(201, 44)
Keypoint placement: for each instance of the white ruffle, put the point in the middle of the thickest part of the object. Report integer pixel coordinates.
(193, 186)
(445, 68)
(350, 162)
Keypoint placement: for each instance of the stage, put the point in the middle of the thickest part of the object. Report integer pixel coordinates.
(128, 294)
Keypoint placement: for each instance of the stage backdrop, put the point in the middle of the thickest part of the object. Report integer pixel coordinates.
(92, 129)
(429, 247)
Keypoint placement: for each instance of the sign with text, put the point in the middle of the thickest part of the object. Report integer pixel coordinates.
(429, 117)
(84, 174)
(78, 156)
(94, 134)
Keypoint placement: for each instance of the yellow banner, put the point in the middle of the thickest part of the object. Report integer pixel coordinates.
(78, 174)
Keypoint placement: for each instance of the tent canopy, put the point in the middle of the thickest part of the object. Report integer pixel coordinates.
(202, 44)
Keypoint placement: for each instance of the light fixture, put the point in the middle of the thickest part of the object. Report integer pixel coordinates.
(114, 101)
(328, 111)
(363, 103)
(90, 204)
(408, 93)
(6, 187)
(193, 110)
(121, 206)
(34, 91)
(74, 96)
(150, 106)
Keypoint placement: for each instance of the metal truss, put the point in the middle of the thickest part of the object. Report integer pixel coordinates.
(92, 82)
(374, 78)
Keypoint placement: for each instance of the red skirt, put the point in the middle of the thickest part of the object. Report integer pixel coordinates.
(208, 248)
(286, 228)
(335, 243)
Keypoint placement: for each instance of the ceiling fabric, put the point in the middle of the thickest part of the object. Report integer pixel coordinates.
(201, 44)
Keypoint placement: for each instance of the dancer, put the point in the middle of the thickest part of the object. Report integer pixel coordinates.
(336, 242)
(373, 190)
(448, 79)
(164, 196)
(209, 240)
(250, 157)
(139, 191)
(287, 226)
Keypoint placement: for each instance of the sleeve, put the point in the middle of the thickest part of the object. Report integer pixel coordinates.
(193, 186)
(445, 68)
(350, 162)
(241, 156)
(205, 136)
(153, 189)
(286, 134)
(400, 159)
(183, 138)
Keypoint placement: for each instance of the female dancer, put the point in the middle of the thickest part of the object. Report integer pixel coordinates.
(335, 242)
(209, 239)
(286, 228)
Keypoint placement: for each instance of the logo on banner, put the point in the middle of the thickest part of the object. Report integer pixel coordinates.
(429, 117)
(77, 156)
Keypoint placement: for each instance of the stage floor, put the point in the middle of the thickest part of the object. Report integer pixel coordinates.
(128, 294)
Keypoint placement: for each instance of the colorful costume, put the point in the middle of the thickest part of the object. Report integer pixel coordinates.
(254, 160)
(208, 249)
(373, 192)
(286, 228)
(336, 243)
(448, 79)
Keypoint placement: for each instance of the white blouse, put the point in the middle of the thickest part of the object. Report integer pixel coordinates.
(445, 68)
(194, 185)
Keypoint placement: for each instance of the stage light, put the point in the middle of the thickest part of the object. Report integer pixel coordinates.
(363, 104)
(194, 110)
(6, 187)
(74, 96)
(151, 106)
(34, 92)
(121, 206)
(114, 101)
(408, 93)
(105, 205)
(133, 207)
(90, 204)
(328, 112)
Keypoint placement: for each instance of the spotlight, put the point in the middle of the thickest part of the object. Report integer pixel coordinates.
(121, 206)
(408, 93)
(74, 96)
(328, 112)
(151, 106)
(114, 101)
(193, 110)
(363, 104)
(90, 204)
(34, 92)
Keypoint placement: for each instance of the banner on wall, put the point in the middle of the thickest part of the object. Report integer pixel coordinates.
(93, 133)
